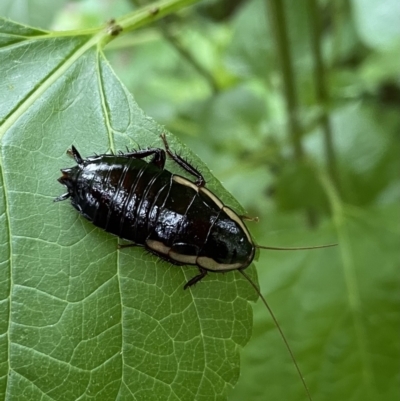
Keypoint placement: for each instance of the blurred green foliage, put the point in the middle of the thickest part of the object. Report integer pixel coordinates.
(215, 76)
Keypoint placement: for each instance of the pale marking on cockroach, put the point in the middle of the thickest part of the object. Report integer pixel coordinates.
(186, 259)
(158, 246)
(211, 264)
(208, 193)
(183, 181)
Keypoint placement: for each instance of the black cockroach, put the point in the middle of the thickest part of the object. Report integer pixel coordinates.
(174, 218)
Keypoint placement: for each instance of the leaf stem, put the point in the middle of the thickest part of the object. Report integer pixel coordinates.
(280, 30)
(322, 95)
(279, 25)
(151, 13)
(188, 56)
(350, 276)
(184, 52)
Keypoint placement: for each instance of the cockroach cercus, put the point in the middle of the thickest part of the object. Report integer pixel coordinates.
(178, 220)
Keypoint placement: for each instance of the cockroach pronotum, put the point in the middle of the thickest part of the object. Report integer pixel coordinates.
(174, 218)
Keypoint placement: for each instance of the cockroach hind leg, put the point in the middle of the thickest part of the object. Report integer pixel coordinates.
(158, 156)
(73, 152)
(62, 197)
(195, 279)
(178, 159)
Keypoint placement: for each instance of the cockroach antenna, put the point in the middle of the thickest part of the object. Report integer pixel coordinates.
(264, 301)
(300, 248)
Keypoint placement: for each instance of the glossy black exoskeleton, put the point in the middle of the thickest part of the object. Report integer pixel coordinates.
(176, 219)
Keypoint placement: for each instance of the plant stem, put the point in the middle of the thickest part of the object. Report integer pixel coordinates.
(188, 56)
(170, 37)
(278, 20)
(152, 13)
(289, 86)
(322, 94)
(347, 253)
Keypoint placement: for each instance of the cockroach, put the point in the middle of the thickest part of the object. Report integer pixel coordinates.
(178, 220)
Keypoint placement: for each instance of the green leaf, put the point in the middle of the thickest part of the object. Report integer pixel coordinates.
(81, 319)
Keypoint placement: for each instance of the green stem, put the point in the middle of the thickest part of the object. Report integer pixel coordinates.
(322, 94)
(142, 17)
(188, 56)
(350, 277)
(153, 12)
(278, 21)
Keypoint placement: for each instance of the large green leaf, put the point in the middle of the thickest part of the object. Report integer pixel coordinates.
(81, 319)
